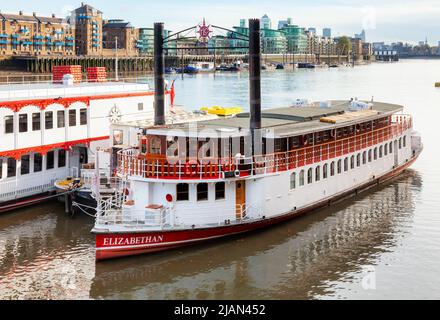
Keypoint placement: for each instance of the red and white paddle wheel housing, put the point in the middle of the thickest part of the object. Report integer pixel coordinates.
(193, 182)
(50, 130)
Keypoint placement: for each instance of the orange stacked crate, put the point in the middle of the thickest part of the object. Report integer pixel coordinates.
(96, 74)
(59, 71)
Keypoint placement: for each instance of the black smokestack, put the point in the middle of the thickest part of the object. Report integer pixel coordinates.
(159, 70)
(254, 73)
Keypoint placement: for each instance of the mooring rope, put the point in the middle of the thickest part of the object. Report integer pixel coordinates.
(81, 206)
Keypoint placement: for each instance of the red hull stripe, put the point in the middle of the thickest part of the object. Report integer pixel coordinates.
(68, 101)
(115, 245)
(46, 148)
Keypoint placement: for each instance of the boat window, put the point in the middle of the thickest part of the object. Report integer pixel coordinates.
(309, 176)
(293, 181)
(358, 160)
(50, 160)
(301, 178)
(325, 171)
(202, 191)
(404, 141)
(83, 117)
(385, 150)
(352, 162)
(140, 106)
(391, 147)
(318, 173)
(219, 190)
(61, 158)
(72, 118)
(380, 152)
(369, 155)
(346, 164)
(23, 123)
(332, 169)
(364, 157)
(25, 164)
(61, 122)
(36, 121)
(182, 192)
(339, 166)
(400, 143)
(12, 167)
(38, 162)
(1, 168)
(48, 119)
(375, 153)
(9, 124)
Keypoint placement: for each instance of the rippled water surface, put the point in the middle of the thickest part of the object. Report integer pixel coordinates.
(384, 243)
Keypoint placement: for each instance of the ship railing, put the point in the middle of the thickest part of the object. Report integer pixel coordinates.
(48, 79)
(132, 163)
(165, 217)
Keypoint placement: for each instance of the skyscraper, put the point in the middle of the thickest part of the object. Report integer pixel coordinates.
(360, 36)
(266, 22)
(312, 30)
(327, 33)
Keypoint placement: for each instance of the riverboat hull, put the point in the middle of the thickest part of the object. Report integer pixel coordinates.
(123, 244)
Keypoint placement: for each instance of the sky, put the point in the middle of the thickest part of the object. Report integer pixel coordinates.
(384, 20)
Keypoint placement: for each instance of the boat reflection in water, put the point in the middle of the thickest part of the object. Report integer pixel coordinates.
(299, 259)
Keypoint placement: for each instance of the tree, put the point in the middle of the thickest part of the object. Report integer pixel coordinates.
(344, 45)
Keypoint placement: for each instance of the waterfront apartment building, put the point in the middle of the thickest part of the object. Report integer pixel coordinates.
(124, 34)
(34, 35)
(296, 38)
(88, 30)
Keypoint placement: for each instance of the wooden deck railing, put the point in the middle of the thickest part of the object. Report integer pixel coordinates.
(130, 163)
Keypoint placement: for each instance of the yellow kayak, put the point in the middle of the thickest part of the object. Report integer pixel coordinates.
(68, 184)
(222, 111)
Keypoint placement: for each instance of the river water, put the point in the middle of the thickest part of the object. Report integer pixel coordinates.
(382, 244)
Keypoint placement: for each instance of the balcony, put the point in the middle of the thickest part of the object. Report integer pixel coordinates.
(95, 45)
(38, 43)
(38, 37)
(82, 16)
(15, 42)
(3, 35)
(59, 43)
(15, 35)
(69, 44)
(4, 41)
(70, 38)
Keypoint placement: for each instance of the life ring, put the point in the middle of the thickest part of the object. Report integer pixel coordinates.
(237, 173)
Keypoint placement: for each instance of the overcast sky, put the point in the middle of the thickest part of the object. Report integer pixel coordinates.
(384, 20)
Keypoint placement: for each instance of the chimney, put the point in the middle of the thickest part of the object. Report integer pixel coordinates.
(159, 81)
(254, 74)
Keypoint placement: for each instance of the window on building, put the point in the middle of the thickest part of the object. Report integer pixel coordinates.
(375, 153)
(72, 118)
(9, 124)
(318, 173)
(36, 121)
(83, 117)
(61, 158)
(220, 190)
(140, 106)
(48, 119)
(339, 166)
(50, 160)
(61, 120)
(358, 160)
(301, 178)
(370, 155)
(25, 164)
(346, 164)
(22, 122)
(332, 168)
(182, 192)
(12, 167)
(364, 157)
(293, 181)
(202, 191)
(38, 162)
(380, 152)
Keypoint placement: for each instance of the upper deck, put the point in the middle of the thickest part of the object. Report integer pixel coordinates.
(283, 122)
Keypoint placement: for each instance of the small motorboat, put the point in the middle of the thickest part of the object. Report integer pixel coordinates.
(279, 66)
(222, 111)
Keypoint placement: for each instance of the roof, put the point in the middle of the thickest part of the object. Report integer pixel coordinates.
(287, 121)
(30, 18)
(117, 25)
(84, 8)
